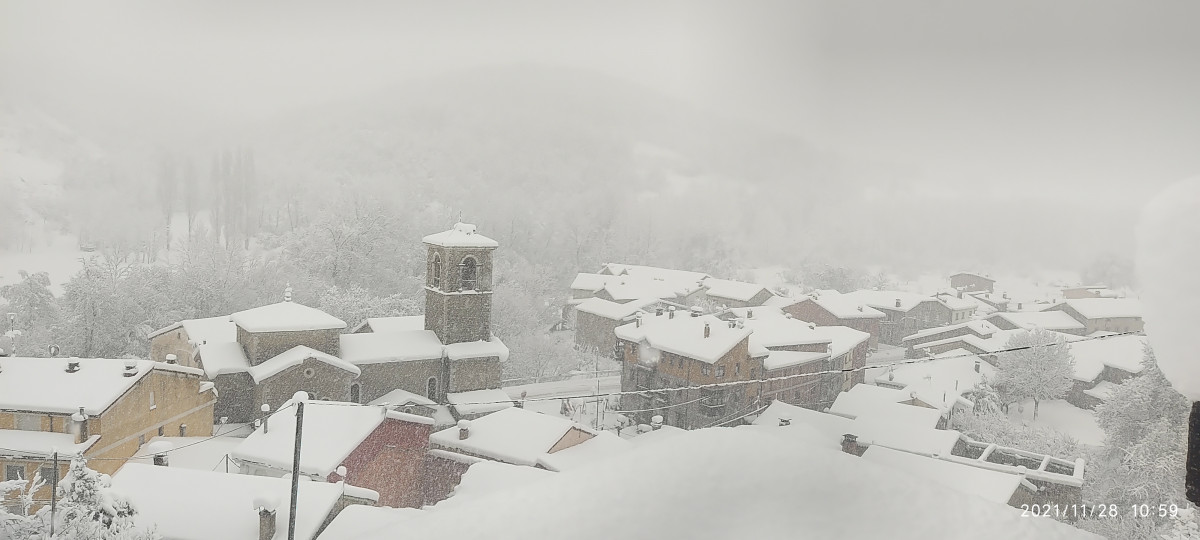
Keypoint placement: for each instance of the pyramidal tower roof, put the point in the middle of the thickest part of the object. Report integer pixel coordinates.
(462, 235)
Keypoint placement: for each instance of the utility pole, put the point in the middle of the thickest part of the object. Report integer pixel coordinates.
(54, 495)
(296, 469)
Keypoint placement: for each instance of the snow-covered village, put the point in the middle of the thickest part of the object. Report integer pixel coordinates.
(529, 269)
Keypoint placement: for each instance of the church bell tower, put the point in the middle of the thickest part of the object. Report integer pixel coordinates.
(458, 284)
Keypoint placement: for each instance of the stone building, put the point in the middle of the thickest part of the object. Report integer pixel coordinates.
(833, 309)
(971, 282)
(266, 354)
(1104, 314)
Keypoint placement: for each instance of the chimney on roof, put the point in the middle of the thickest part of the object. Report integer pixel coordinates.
(266, 521)
(656, 421)
(749, 313)
(732, 323)
(977, 366)
(1019, 304)
(850, 445)
(266, 409)
(72, 366)
(130, 368)
(80, 426)
(1005, 295)
(671, 312)
(785, 422)
(637, 321)
(658, 312)
(171, 358)
(464, 429)
(707, 331)
(897, 302)
(960, 293)
(696, 311)
(287, 292)
(860, 307)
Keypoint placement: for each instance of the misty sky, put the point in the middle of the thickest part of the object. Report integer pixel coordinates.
(1084, 93)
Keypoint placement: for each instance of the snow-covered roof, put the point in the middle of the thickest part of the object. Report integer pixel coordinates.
(982, 328)
(882, 431)
(1049, 320)
(333, 430)
(479, 401)
(294, 357)
(403, 397)
(994, 486)
(210, 330)
(591, 282)
(1121, 352)
(941, 382)
(863, 398)
(887, 299)
(614, 310)
(488, 477)
(844, 307)
(478, 349)
(222, 358)
(406, 323)
(512, 435)
(1106, 308)
(631, 288)
(1101, 391)
(285, 317)
(955, 303)
(843, 339)
(973, 274)
(901, 415)
(684, 336)
(732, 290)
(784, 359)
(461, 235)
(775, 330)
(654, 491)
(23, 444)
(830, 426)
(197, 453)
(187, 504)
(603, 446)
(400, 346)
(654, 272)
(44, 385)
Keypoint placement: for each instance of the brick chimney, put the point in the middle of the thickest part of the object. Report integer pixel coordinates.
(785, 422)
(464, 429)
(850, 445)
(707, 331)
(265, 506)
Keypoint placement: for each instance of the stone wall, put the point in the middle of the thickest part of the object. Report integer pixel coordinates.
(468, 374)
(262, 346)
(412, 376)
(320, 380)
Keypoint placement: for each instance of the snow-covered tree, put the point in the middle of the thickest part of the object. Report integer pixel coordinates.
(89, 509)
(996, 427)
(355, 304)
(15, 520)
(1036, 365)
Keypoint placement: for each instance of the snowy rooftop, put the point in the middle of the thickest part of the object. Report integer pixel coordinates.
(221, 358)
(478, 349)
(399, 346)
(198, 453)
(830, 426)
(333, 430)
(1106, 308)
(591, 282)
(41, 444)
(199, 505)
(211, 329)
(653, 272)
(842, 338)
(863, 398)
(512, 435)
(44, 385)
(732, 290)
(1101, 391)
(982, 328)
(603, 446)
(294, 357)
(285, 317)
(403, 397)
(488, 477)
(887, 299)
(654, 491)
(941, 382)
(460, 235)
(774, 330)
(845, 307)
(900, 436)
(784, 359)
(479, 401)
(614, 310)
(684, 335)
(1121, 352)
(634, 288)
(1049, 320)
(955, 303)
(994, 486)
(972, 274)
(407, 323)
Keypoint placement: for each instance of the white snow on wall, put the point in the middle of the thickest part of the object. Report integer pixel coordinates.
(1168, 256)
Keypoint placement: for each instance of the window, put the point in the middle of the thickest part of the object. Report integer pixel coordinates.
(436, 272)
(704, 370)
(469, 273)
(152, 404)
(161, 430)
(355, 393)
(183, 430)
(14, 472)
(142, 439)
(309, 373)
(737, 369)
(47, 474)
(431, 387)
(28, 422)
(720, 371)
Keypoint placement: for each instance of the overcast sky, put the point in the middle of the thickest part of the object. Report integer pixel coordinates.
(1076, 92)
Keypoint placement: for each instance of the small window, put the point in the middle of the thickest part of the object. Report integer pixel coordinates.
(470, 272)
(183, 430)
(153, 405)
(47, 474)
(720, 371)
(355, 393)
(431, 387)
(161, 430)
(142, 439)
(436, 271)
(14, 472)
(704, 370)
(309, 373)
(737, 369)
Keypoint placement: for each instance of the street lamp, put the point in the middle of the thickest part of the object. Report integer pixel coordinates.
(12, 332)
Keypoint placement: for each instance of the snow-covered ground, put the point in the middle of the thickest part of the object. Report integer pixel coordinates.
(59, 255)
(1062, 417)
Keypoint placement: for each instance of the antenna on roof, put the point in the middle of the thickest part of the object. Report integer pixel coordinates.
(287, 293)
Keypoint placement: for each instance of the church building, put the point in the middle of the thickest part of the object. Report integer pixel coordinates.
(262, 356)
